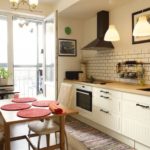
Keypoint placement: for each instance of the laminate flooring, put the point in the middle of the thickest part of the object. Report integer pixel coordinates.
(22, 129)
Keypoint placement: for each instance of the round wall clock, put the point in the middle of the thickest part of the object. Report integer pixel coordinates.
(67, 30)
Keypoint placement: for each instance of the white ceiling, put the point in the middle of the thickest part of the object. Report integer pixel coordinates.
(50, 2)
(88, 8)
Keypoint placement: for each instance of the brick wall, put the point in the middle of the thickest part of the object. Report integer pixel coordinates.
(102, 65)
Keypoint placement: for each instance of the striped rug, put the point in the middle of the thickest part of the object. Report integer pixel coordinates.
(92, 138)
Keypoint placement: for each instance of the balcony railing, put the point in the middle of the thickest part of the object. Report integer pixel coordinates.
(26, 80)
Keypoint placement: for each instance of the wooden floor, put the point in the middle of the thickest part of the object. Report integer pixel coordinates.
(22, 129)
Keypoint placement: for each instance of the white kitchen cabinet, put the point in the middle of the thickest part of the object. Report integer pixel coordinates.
(106, 108)
(125, 113)
(136, 117)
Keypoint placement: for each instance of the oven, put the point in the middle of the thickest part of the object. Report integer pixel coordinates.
(84, 97)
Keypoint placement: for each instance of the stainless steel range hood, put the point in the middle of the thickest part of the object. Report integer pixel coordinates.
(102, 26)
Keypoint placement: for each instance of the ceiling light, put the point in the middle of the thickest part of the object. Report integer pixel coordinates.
(111, 34)
(142, 28)
(31, 3)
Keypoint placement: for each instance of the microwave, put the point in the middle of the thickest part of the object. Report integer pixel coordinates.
(72, 75)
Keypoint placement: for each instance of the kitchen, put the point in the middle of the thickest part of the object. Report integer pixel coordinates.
(101, 64)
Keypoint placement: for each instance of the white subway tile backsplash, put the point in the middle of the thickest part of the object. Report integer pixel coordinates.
(103, 64)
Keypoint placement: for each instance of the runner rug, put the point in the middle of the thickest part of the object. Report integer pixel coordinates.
(92, 138)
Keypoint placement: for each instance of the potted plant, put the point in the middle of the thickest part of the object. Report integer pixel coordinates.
(4, 75)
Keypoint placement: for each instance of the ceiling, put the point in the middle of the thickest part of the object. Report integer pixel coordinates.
(50, 2)
(88, 8)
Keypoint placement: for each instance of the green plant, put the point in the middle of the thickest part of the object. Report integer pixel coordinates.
(4, 74)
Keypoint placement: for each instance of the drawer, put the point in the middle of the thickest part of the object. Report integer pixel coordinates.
(136, 98)
(107, 119)
(107, 93)
(112, 105)
(136, 110)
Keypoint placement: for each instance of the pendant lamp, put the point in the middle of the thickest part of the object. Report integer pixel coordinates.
(142, 28)
(112, 34)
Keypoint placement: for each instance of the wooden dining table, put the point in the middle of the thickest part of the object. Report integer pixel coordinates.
(10, 118)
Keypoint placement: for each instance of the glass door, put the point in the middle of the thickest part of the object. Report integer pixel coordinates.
(3, 42)
(27, 51)
(50, 72)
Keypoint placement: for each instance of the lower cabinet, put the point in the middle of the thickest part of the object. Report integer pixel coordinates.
(136, 117)
(125, 113)
(106, 119)
(106, 107)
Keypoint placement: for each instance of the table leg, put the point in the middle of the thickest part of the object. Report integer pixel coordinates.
(62, 133)
(7, 137)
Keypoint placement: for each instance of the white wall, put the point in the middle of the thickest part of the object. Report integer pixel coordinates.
(69, 63)
(122, 18)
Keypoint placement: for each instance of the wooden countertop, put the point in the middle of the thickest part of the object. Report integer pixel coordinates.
(119, 86)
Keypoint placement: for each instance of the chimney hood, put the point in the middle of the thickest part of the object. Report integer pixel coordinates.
(102, 27)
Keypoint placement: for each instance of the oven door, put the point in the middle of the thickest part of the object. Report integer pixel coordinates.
(84, 99)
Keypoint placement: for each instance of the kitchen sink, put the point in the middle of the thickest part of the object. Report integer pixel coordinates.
(144, 89)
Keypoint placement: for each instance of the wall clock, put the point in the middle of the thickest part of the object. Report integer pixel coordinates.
(67, 30)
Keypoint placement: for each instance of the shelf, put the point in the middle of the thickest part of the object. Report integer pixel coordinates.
(130, 69)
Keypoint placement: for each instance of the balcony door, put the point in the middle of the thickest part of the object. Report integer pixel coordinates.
(50, 57)
(3, 42)
(28, 56)
(35, 59)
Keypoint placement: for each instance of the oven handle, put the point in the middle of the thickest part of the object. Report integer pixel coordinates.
(84, 92)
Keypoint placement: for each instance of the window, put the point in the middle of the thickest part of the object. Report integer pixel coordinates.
(3, 41)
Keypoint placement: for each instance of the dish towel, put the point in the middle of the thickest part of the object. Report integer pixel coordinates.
(56, 109)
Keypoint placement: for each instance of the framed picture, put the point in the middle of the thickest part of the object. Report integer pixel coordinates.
(135, 16)
(67, 47)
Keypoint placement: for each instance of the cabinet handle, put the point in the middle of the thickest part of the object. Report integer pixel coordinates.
(104, 97)
(107, 112)
(106, 92)
(143, 106)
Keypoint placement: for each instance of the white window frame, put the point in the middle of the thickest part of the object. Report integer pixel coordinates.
(9, 16)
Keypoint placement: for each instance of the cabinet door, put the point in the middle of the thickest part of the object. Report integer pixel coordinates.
(108, 100)
(106, 108)
(106, 119)
(136, 117)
